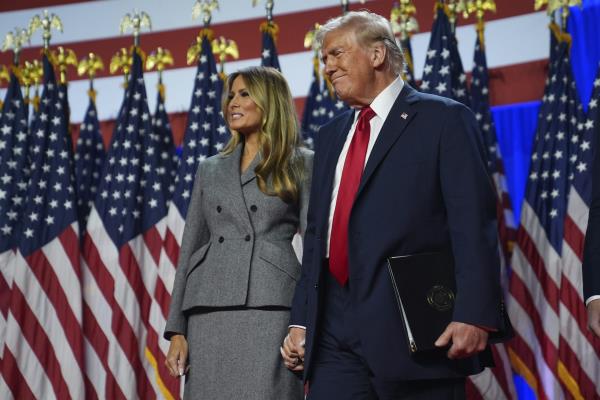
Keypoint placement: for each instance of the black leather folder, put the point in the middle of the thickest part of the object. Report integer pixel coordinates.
(425, 289)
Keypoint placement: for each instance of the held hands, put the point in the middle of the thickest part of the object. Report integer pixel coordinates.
(176, 361)
(466, 340)
(593, 314)
(292, 350)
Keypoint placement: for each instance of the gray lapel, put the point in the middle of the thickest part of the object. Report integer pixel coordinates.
(249, 173)
(228, 178)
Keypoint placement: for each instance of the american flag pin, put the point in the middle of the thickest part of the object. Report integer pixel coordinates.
(404, 115)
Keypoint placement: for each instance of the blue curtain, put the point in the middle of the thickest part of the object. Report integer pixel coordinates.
(515, 127)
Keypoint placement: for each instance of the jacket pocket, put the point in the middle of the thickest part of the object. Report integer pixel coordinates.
(196, 258)
(282, 259)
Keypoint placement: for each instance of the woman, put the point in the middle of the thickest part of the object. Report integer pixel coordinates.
(237, 269)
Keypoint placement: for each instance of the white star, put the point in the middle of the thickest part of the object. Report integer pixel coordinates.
(441, 87)
(153, 203)
(266, 53)
(29, 232)
(6, 230)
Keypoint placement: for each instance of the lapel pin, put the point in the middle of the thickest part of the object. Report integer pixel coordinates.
(404, 115)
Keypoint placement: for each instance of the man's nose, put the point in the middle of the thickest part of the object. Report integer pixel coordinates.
(329, 67)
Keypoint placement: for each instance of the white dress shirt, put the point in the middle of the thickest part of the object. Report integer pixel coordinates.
(382, 105)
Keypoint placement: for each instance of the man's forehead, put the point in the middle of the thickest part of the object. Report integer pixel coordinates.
(341, 37)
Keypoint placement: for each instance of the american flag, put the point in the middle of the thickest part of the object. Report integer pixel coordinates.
(268, 55)
(579, 350)
(163, 137)
(497, 382)
(316, 109)
(14, 166)
(320, 107)
(43, 355)
(409, 72)
(538, 301)
(89, 159)
(205, 135)
(443, 72)
(124, 317)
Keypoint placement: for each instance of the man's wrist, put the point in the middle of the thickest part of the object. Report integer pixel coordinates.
(592, 298)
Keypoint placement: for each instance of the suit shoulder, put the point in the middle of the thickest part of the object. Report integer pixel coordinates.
(338, 119)
(306, 154)
(439, 103)
(209, 165)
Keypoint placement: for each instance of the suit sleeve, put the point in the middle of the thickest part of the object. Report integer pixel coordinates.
(299, 301)
(591, 257)
(305, 190)
(470, 200)
(195, 234)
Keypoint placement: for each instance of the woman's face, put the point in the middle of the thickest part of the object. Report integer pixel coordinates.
(243, 115)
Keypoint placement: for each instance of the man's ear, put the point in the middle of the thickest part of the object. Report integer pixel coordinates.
(378, 54)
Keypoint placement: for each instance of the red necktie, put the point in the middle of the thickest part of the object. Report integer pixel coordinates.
(351, 174)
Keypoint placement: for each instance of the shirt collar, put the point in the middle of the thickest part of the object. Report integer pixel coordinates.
(382, 104)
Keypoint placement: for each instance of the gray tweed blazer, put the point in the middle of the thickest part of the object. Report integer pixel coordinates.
(237, 241)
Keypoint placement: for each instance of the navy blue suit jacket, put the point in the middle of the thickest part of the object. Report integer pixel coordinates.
(591, 257)
(424, 188)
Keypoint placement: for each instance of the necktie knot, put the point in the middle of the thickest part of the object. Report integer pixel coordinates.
(366, 114)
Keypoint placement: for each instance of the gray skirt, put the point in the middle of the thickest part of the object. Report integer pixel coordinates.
(234, 354)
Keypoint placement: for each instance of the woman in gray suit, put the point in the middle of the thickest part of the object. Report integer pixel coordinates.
(237, 268)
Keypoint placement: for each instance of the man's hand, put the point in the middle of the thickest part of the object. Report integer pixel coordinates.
(177, 356)
(593, 314)
(467, 340)
(292, 349)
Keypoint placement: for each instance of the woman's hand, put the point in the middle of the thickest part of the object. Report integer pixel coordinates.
(176, 361)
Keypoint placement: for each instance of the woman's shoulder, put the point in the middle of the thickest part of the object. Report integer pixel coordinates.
(306, 154)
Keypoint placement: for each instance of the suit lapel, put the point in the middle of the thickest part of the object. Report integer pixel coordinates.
(334, 146)
(230, 180)
(248, 175)
(393, 127)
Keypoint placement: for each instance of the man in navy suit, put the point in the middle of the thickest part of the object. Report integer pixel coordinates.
(591, 257)
(400, 174)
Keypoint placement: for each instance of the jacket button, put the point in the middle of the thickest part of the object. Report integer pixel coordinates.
(253, 208)
(247, 238)
(219, 209)
(221, 239)
(316, 286)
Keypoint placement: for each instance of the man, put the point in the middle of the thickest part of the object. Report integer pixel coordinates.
(591, 257)
(402, 174)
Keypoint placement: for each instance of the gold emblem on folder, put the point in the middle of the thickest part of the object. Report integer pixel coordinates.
(440, 298)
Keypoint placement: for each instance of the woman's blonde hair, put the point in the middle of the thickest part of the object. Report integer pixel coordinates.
(281, 169)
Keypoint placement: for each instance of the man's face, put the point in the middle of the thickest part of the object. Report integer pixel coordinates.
(348, 65)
